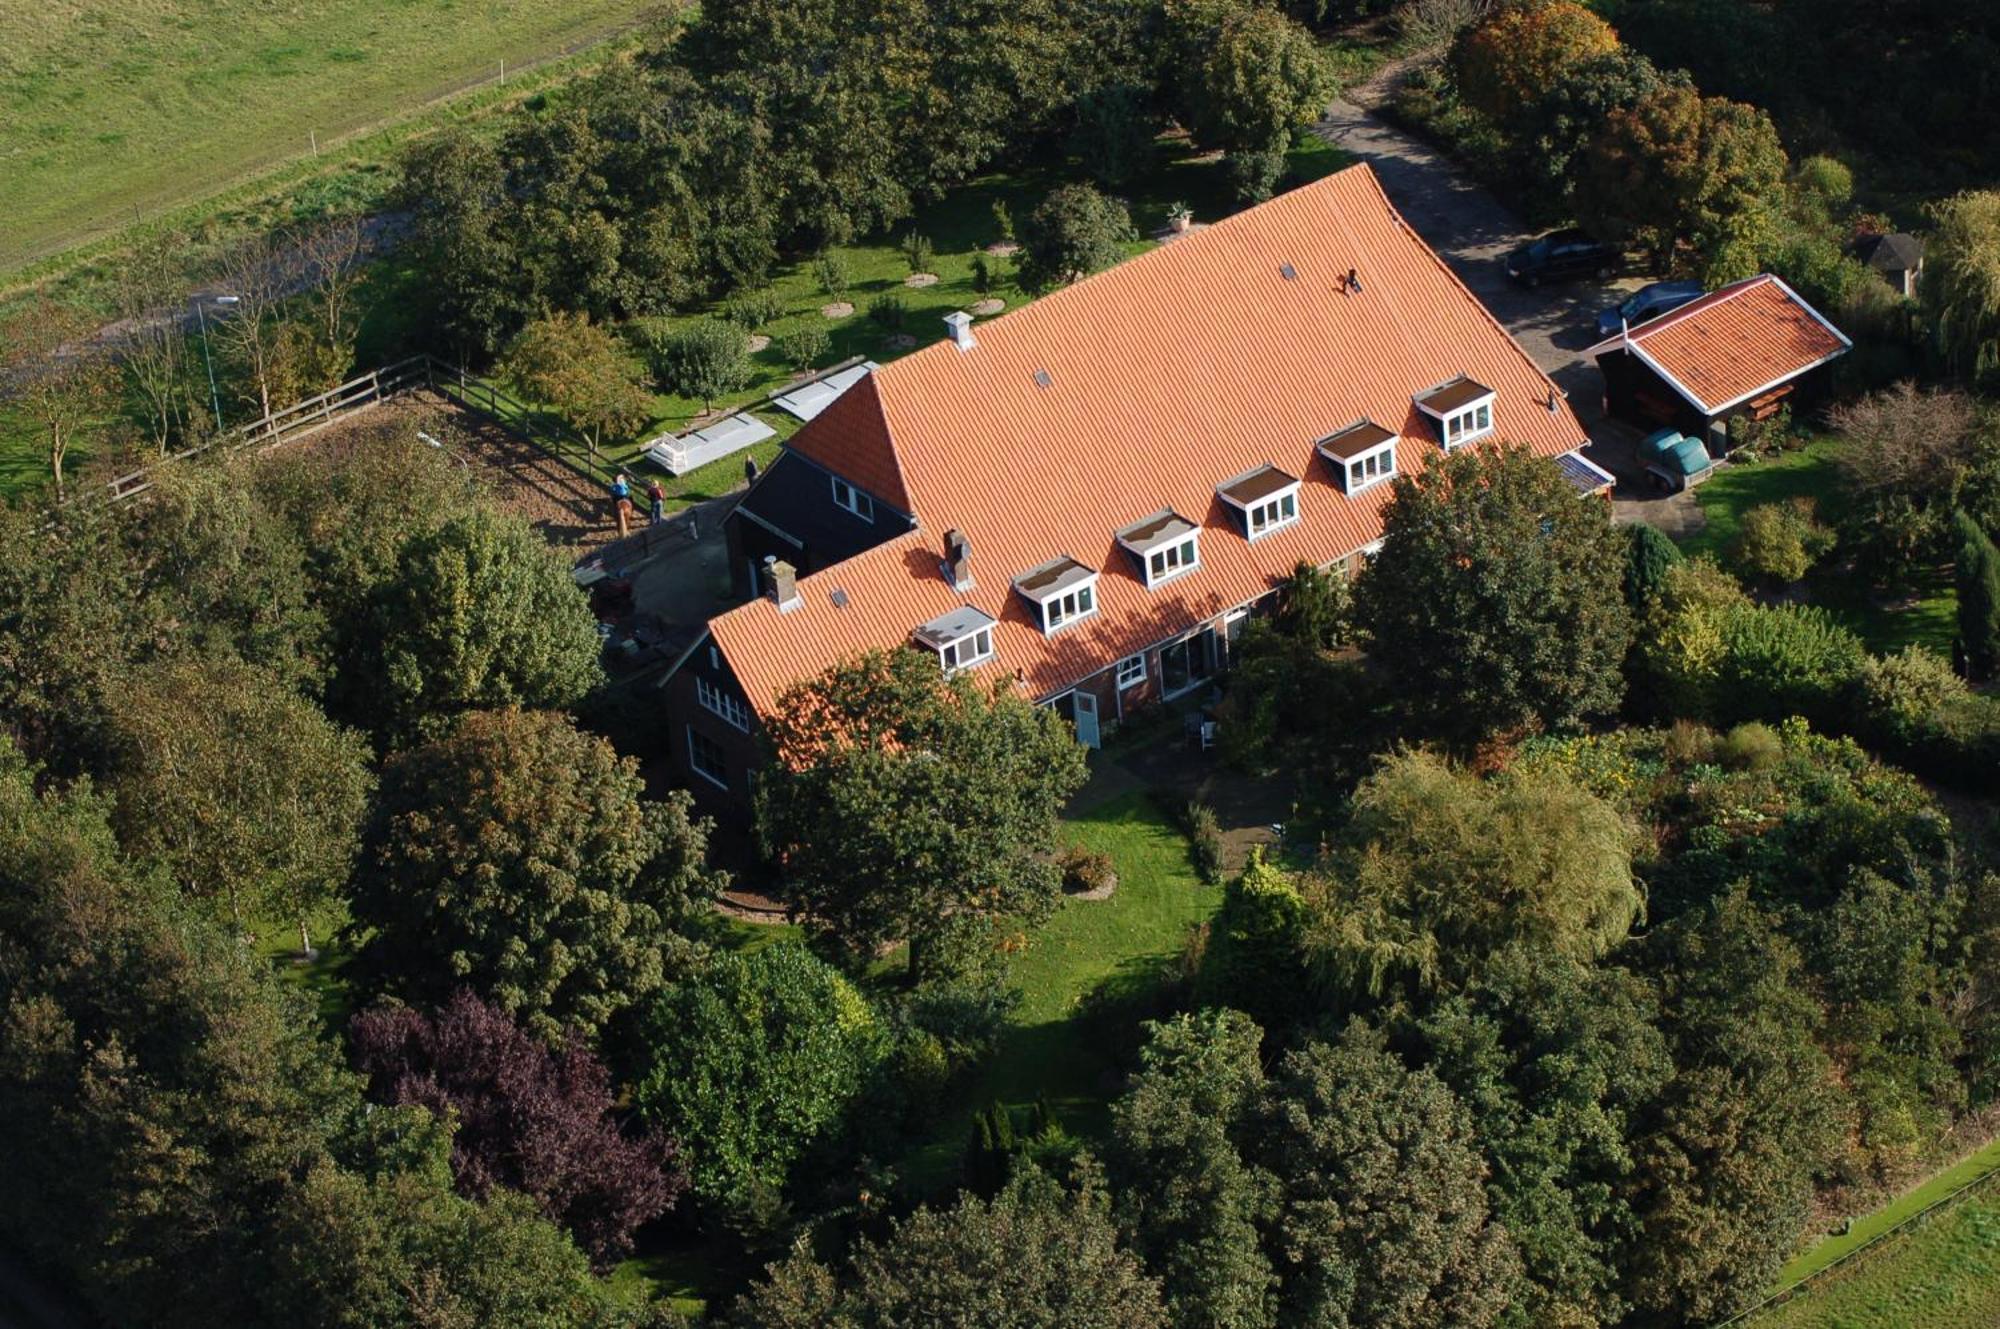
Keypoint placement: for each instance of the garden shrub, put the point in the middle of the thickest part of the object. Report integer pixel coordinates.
(918, 251)
(888, 311)
(1749, 747)
(1255, 957)
(830, 271)
(750, 310)
(1084, 870)
(1204, 840)
(1782, 541)
(800, 347)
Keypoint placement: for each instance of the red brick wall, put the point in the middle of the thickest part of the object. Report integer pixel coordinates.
(741, 752)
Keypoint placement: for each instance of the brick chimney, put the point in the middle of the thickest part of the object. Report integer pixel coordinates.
(957, 565)
(784, 580)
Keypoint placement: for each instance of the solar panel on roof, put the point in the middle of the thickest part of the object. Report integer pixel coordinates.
(1042, 379)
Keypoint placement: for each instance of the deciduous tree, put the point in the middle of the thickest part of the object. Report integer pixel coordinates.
(1073, 233)
(1194, 1204)
(1244, 78)
(898, 800)
(1040, 1255)
(1490, 602)
(579, 369)
(1383, 1220)
(241, 789)
(1960, 286)
(701, 359)
(516, 856)
(480, 612)
(1508, 62)
(750, 1062)
(56, 372)
(524, 1116)
(1442, 870)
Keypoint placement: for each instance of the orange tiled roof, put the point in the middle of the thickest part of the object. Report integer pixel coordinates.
(1167, 375)
(1734, 343)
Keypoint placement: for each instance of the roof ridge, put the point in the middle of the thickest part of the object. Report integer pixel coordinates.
(1714, 299)
(1186, 244)
(1467, 292)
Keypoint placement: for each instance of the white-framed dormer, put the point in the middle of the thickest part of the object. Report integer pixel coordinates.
(1462, 410)
(961, 639)
(1267, 499)
(853, 500)
(1062, 591)
(1166, 544)
(1361, 455)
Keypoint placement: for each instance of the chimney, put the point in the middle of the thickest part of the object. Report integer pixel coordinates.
(1353, 282)
(960, 324)
(784, 579)
(957, 565)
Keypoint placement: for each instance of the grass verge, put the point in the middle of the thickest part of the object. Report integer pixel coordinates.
(119, 112)
(1942, 1274)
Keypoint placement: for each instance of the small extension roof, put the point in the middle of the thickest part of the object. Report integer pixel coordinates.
(1354, 440)
(1733, 344)
(947, 628)
(1898, 251)
(1458, 393)
(1261, 483)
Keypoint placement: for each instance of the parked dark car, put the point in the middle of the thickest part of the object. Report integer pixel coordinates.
(1560, 255)
(1646, 304)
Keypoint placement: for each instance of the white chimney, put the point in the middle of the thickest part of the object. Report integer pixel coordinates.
(960, 324)
(784, 584)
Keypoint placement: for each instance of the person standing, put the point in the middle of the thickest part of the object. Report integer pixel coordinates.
(658, 498)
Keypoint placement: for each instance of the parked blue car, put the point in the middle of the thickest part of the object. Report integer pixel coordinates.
(1647, 303)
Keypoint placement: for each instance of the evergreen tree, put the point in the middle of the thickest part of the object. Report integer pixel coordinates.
(1978, 578)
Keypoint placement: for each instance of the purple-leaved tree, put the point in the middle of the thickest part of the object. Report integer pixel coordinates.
(530, 1118)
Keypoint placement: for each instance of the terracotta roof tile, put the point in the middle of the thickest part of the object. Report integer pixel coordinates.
(1737, 342)
(1170, 374)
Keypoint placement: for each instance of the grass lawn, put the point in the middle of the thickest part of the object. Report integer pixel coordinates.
(1928, 617)
(1115, 951)
(1868, 1226)
(325, 977)
(116, 111)
(1944, 1274)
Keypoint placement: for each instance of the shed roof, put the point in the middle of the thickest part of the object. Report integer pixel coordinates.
(1898, 251)
(1169, 374)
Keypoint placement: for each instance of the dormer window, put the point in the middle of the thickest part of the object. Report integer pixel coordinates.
(962, 638)
(1166, 545)
(1267, 497)
(847, 496)
(1361, 455)
(1062, 592)
(1462, 410)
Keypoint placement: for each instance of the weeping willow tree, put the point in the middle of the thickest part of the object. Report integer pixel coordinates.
(1960, 288)
(1442, 870)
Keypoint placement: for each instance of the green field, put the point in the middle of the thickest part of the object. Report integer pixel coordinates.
(114, 112)
(1942, 1274)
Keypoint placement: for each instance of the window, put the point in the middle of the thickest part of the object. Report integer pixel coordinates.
(705, 758)
(724, 703)
(1070, 605)
(1468, 424)
(1273, 512)
(967, 651)
(1370, 467)
(1131, 671)
(1172, 560)
(856, 502)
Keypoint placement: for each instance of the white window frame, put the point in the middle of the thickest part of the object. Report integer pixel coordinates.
(853, 500)
(1268, 514)
(722, 702)
(1470, 422)
(1173, 559)
(982, 650)
(694, 761)
(1371, 468)
(1066, 607)
(1126, 675)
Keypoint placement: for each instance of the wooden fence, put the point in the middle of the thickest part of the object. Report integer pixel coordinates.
(294, 422)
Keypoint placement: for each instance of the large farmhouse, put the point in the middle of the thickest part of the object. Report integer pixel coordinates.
(1088, 496)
